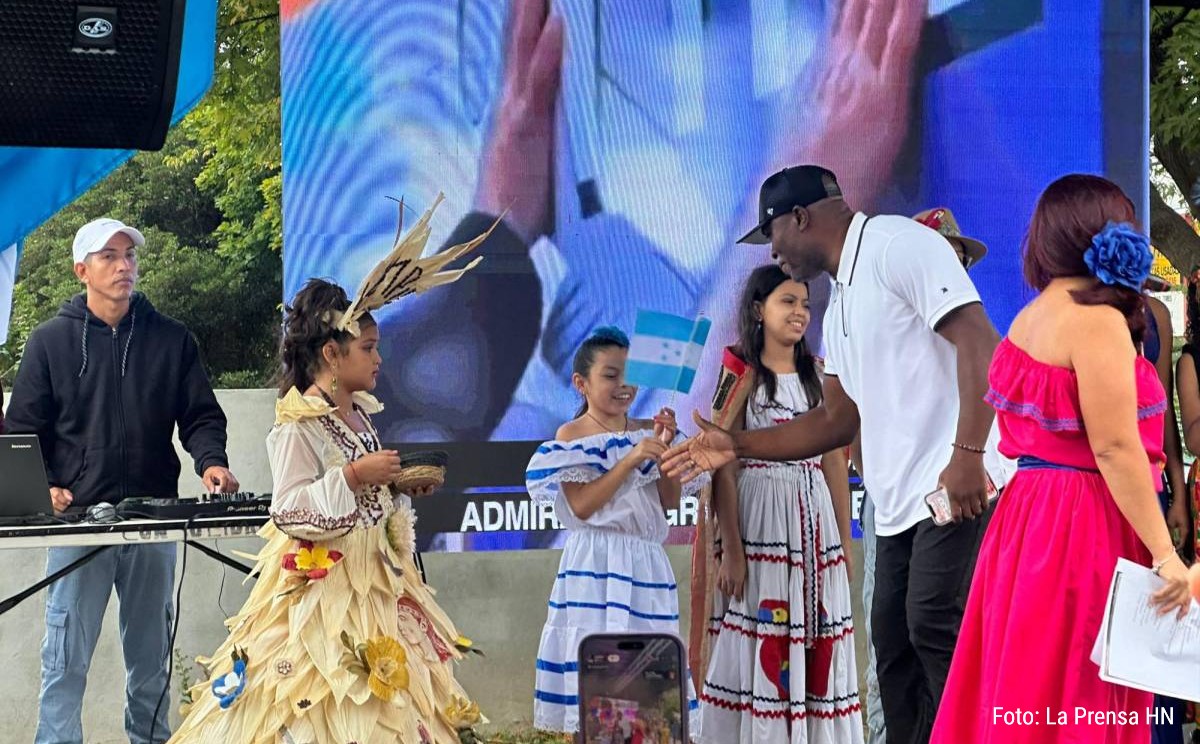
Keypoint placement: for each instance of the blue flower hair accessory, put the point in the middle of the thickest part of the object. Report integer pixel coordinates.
(612, 335)
(1119, 255)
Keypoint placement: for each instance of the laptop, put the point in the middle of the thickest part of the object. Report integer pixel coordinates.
(24, 490)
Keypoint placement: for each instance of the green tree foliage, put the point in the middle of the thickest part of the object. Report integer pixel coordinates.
(209, 204)
(1175, 129)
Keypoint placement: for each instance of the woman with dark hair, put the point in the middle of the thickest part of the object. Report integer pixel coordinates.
(1083, 413)
(782, 665)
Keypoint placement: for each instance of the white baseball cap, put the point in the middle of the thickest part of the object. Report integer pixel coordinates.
(95, 235)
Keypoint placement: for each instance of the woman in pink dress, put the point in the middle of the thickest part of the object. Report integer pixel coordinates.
(1083, 413)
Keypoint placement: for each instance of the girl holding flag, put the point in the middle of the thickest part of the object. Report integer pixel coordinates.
(782, 666)
(601, 473)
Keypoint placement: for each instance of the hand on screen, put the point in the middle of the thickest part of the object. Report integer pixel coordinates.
(517, 165)
(865, 95)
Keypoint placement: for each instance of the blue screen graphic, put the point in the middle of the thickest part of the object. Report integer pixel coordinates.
(628, 144)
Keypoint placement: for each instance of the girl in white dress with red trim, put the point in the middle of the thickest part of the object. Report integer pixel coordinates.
(601, 473)
(782, 667)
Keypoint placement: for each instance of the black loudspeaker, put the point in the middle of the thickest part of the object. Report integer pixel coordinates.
(96, 75)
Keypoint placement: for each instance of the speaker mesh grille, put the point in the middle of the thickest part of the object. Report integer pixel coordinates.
(52, 93)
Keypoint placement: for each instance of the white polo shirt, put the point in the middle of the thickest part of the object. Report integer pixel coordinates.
(896, 281)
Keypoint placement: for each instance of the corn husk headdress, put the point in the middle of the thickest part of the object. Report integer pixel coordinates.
(403, 272)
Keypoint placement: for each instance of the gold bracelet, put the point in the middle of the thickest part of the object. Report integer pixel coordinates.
(969, 448)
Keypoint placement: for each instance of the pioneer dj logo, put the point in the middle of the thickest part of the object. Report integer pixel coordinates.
(96, 28)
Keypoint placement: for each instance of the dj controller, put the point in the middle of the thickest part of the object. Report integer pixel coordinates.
(242, 504)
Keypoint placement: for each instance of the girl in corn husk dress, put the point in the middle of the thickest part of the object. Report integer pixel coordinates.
(340, 640)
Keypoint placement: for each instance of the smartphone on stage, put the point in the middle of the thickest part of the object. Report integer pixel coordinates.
(631, 683)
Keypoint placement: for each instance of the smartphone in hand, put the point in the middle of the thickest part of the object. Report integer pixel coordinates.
(938, 503)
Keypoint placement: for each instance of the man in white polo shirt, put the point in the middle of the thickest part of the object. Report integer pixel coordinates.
(907, 352)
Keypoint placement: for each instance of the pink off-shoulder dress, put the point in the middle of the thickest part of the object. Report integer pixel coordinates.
(1037, 598)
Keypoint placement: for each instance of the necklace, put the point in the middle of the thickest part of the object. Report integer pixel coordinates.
(601, 423)
(343, 415)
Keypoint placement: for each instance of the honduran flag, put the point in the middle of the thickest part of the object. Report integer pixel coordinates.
(665, 351)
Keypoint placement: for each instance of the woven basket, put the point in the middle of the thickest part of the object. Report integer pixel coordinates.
(420, 476)
(422, 470)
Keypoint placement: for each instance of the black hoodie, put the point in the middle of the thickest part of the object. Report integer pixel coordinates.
(104, 402)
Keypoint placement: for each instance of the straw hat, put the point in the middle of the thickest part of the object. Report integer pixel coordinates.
(942, 220)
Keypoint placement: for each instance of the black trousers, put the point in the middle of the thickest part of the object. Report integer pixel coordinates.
(922, 577)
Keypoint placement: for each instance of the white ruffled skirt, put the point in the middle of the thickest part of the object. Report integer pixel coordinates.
(782, 669)
(608, 582)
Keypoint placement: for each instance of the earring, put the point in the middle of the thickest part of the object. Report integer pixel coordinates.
(334, 385)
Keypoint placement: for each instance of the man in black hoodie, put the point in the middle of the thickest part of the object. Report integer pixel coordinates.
(103, 386)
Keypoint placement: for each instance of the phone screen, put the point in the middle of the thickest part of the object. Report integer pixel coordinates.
(632, 689)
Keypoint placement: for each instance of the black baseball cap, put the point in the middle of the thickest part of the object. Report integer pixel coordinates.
(798, 186)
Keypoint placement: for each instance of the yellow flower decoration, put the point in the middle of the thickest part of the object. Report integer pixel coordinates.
(311, 560)
(462, 713)
(388, 666)
(316, 557)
